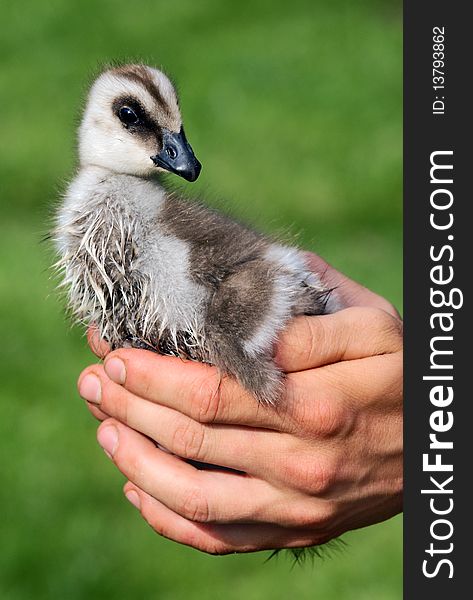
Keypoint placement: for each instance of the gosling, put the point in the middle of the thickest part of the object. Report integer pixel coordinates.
(156, 271)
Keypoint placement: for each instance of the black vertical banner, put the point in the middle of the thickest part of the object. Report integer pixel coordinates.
(438, 168)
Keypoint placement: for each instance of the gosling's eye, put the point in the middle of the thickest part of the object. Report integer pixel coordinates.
(128, 116)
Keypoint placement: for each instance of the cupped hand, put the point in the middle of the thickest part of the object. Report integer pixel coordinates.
(326, 460)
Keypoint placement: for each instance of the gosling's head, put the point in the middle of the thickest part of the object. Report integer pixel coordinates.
(132, 124)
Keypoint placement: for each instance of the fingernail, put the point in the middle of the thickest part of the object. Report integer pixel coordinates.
(115, 369)
(108, 439)
(90, 388)
(133, 497)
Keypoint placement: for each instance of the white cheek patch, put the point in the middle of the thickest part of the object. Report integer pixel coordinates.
(104, 142)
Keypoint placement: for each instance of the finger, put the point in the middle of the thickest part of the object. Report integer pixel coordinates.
(326, 403)
(197, 495)
(347, 291)
(369, 383)
(192, 388)
(98, 346)
(371, 388)
(353, 333)
(218, 539)
(273, 456)
(235, 447)
(96, 412)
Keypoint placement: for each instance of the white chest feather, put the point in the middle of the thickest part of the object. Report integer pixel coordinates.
(177, 301)
(122, 273)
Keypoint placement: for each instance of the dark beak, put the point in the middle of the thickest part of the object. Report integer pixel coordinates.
(177, 156)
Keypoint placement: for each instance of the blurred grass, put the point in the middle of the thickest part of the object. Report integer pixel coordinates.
(295, 111)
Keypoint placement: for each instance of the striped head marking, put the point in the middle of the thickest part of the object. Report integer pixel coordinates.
(132, 124)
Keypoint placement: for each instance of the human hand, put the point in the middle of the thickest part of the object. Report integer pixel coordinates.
(327, 460)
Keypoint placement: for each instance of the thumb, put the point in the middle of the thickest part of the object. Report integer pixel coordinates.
(350, 334)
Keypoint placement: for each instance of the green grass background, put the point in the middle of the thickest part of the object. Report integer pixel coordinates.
(294, 109)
